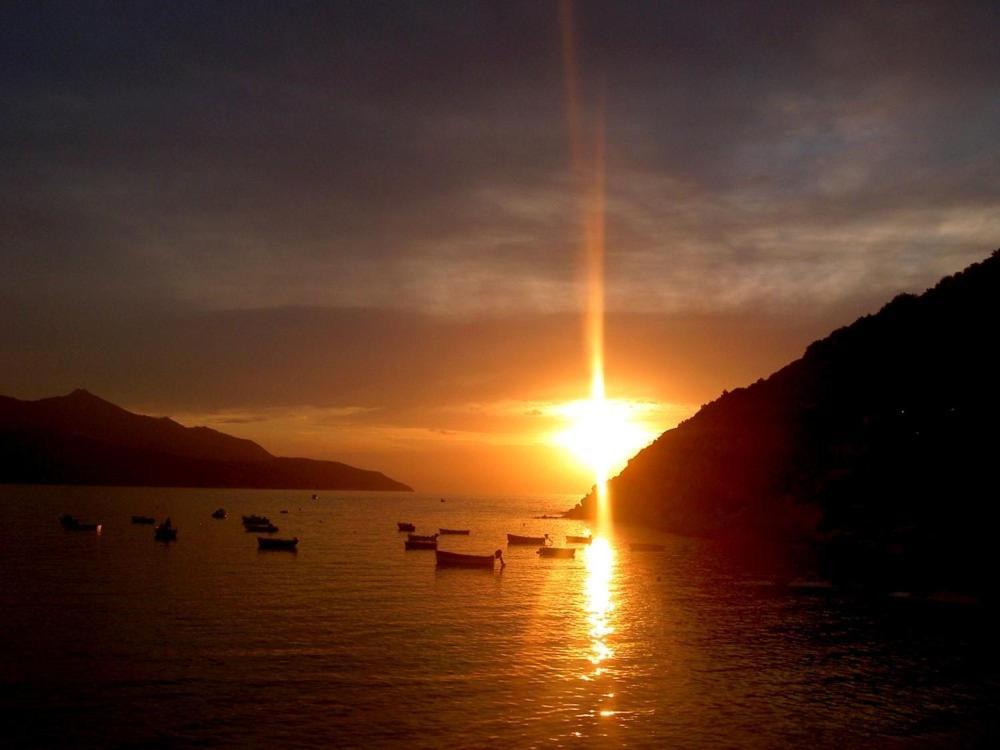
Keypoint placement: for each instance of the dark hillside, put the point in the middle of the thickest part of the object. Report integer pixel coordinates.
(878, 447)
(83, 439)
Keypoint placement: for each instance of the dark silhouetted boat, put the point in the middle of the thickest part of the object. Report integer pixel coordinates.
(165, 532)
(419, 544)
(646, 547)
(578, 539)
(526, 540)
(422, 537)
(282, 511)
(219, 513)
(315, 496)
(290, 545)
(143, 520)
(255, 520)
(261, 528)
(405, 526)
(557, 551)
(810, 586)
(71, 523)
(463, 532)
(456, 560)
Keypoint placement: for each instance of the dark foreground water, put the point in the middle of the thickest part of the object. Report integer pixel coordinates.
(116, 640)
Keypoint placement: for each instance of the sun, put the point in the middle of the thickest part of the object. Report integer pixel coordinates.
(602, 434)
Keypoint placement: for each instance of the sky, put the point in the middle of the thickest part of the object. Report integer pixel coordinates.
(351, 230)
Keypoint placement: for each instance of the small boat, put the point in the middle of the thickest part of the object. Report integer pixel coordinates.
(578, 539)
(526, 540)
(405, 526)
(143, 520)
(219, 513)
(261, 528)
(463, 532)
(71, 523)
(165, 532)
(422, 537)
(291, 545)
(255, 520)
(456, 560)
(810, 586)
(282, 511)
(419, 544)
(646, 547)
(315, 496)
(557, 551)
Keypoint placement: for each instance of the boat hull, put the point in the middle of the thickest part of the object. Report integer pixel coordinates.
(534, 541)
(405, 526)
(413, 544)
(165, 534)
(267, 543)
(454, 532)
(578, 539)
(262, 529)
(563, 552)
(71, 523)
(456, 560)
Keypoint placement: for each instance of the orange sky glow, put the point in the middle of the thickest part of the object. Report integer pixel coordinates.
(438, 264)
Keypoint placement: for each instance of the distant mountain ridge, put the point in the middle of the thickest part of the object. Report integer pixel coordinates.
(83, 439)
(878, 448)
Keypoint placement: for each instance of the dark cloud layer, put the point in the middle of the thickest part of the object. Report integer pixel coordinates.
(254, 154)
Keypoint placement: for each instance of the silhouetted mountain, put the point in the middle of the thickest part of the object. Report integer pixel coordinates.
(83, 439)
(877, 448)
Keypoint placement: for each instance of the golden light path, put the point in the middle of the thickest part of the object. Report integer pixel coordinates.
(597, 430)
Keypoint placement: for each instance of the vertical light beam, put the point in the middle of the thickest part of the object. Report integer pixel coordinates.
(588, 176)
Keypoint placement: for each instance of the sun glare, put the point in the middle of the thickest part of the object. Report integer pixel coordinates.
(602, 434)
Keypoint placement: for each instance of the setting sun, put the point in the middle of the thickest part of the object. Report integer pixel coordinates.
(602, 434)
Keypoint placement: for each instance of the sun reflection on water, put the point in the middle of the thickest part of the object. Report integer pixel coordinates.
(599, 561)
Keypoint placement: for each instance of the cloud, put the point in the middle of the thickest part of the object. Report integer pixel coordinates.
(417, 159)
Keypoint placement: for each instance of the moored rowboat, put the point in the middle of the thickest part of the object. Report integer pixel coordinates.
(71, 523)
(264, 542)
(557, 551)
(578, 539)
(165, 532)
(260, 528)
(422, 537)
(416, 544)
(456, 560)
(532, 540)
(402, 526)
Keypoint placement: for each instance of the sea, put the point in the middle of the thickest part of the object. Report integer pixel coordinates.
(117, 640)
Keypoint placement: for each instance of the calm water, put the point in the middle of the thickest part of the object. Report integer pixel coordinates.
(116, 640)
